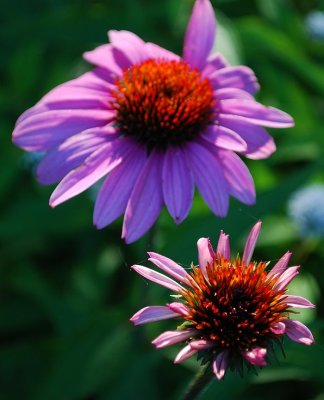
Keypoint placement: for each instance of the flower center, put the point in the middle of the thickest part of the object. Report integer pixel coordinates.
(163, 103)
(235, 305)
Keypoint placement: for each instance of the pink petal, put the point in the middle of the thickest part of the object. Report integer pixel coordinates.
(156, 52)
(184, 354)
(297, 301)
(96, 79)
(178, 185)
(115, 192)
(224, 138)
(298, 332)
(214, 62)
(200, 34)
(172, 337)
(232, 93)
(220, 364)
(103, 56)
(152, 314)
(256, 113)
(156, 277)
(209, 178)
(223, 247)
(240, 77)
(251, 242)
(278, 328)
(238, 177)
(281, 265)
(205, 254)
(202, 344)
(130, 45)
(168, 266)
(93, 168)
(286, 278)
(179, 308)
(256, 356)
(146, 200)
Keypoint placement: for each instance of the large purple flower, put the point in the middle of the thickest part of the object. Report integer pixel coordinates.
(229, 311)
(156, 125)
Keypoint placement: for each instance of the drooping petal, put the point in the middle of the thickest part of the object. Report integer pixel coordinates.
(220, 364)
(232, 93)
(93, 168)
(281, 265)
(223, 246)
(238, 177)
(153, 314)
(209, 178)
(42, 131)
(178, 185)
(297, 301)
(103, 56)
(70, 154)
(156, 277)
(184, 354)
(200, 34)
(179, 308)
(205, 254)
(286, 278)
(172, 337)
(240, 77)
(115, 192)
(256, 113)
(214, 62)
(156, 52)
(224, 138)
(130, 45)
(168, 266)
(278, 328)
(202, 344)
(298, 332)
(256, 356)
(145, 201)
(251, 242)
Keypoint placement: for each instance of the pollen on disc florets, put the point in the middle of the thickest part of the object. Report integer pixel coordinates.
(163, 103)
(234, 305)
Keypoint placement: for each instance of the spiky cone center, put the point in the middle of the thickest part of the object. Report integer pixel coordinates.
(234, 305)
(163, 103)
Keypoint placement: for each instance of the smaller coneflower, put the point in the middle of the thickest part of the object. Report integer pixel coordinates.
(231, 312)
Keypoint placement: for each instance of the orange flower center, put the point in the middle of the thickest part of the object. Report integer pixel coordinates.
(163, 103)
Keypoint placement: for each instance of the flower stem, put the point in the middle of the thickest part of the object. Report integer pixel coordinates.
(199, 384)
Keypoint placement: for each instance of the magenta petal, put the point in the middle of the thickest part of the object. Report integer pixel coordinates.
(159, 53)
(179, 308)
(232, 93)
(278, 329)
(178, 185)
(214, 62)
(152, 314)
(172, 337)
(235, 77)
(281, 265)
(96, 79)
(220, 364)
(257, 113)
(184, 354)
(251, 242)
(238, 177)
(158, 278)
(297, 301)
(130, 45)
(70, 154)
(115, 192)
(224, 138)
(209, 178)
(103, 57)
(298, 332)
(202, 344)
(200, 34)
(223, 247)
(146, 200)
(256, 356)
(286, 278)
(205, 254)
(168, 266)
(94, 168)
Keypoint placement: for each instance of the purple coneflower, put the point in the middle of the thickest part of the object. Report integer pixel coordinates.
(156, 124)
(229, 311)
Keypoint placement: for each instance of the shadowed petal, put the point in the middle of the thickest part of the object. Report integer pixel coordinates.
(130, 45)
(200, 34)
(220, 364)
(238, 177)
(298, 332)
(202, 344)
(172, 337)
(179, 308)
(286, 278)
(93, 168)
(256, 356)
(178, 185)
(223, 246)
(152, 314)
(215, 61)
(297, 301)
(235, 77)
(278, 328)
(232, 93)
(156, 277)
(146, 200)
(224, 138)
(281, 265)
(205, 254)
(251, 242)
(209, 178)
(159, 53)
(115, 192)
(168, 266)
(184, 354)
(103, 56)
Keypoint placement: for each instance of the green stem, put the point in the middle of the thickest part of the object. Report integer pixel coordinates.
(199, 384)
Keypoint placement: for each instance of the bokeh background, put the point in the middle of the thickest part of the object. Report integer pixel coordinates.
(66, 289)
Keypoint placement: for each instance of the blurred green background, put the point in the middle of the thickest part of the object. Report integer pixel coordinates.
(66, 289)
